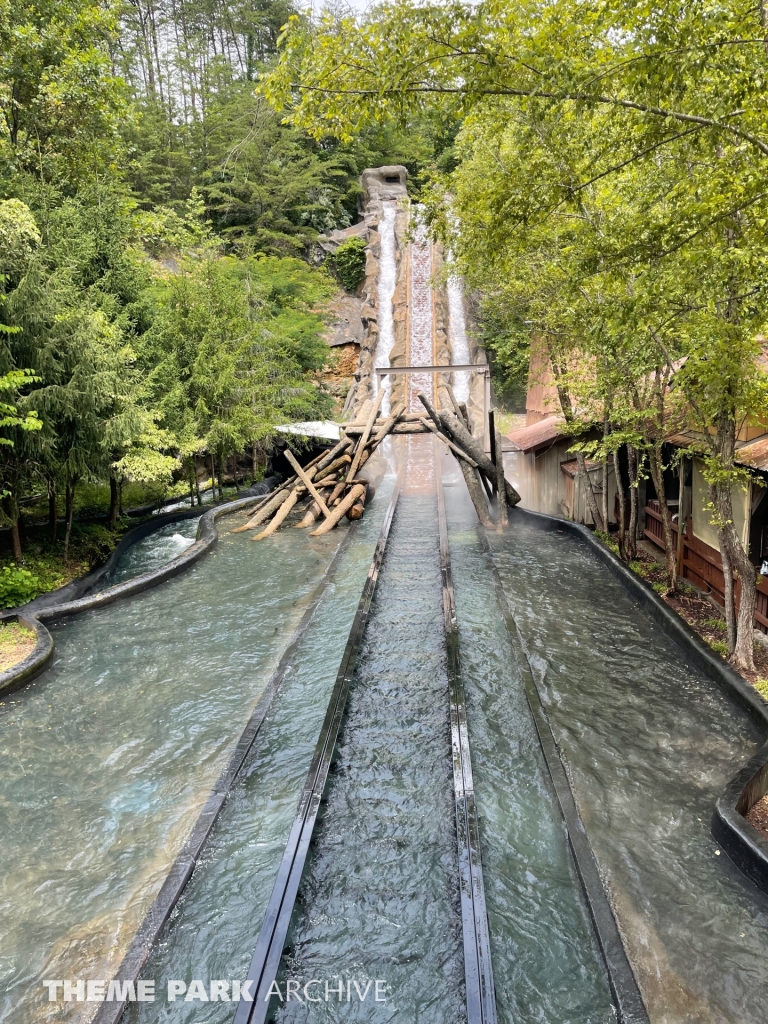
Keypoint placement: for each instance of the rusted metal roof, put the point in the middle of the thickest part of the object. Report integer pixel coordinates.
(538, 435)
(754, 453)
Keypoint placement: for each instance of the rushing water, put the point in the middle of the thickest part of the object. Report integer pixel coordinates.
(547, 967)
(107, 758)
(420, 317)
(649, 743)
(214, 929)
(151, 552)
(386, 289)
(380, 898)
(458, 331)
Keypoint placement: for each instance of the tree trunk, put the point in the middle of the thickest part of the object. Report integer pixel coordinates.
(70, 508)
(633, 502)
(670, 549)
(622, 507)
(735, 557)
(53, 520)
(744, 652)
(604, 509)
(113, 500)
(730, 610)
(254, 462)
(18, 554)
(213, 478)
(589, 492)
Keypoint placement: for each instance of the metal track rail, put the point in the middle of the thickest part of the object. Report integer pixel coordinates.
(181, 870)
(277, 919)
(478, 970)
(630, 1008)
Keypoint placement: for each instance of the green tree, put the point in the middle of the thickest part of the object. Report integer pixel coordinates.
(60, 101)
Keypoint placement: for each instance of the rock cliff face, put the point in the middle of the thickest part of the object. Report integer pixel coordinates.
(360, 324)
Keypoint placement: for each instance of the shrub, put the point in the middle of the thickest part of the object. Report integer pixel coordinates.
(349, 262)
(17, 586)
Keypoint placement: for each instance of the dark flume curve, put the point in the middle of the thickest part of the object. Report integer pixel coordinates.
(746, 847)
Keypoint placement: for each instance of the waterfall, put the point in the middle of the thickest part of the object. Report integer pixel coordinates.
(420, 317)
(459, 343)
(386, 289)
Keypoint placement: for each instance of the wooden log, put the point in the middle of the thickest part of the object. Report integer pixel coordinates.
(279, 516)
(454, 403)
(431, 410)
(465, 440)
(500, 483)
(409, 428)
(465, 414)
(265, 511)
(364, 436)
(310, 516)
(308, 484)
(357, 510)
(453, 447)
(475, 493)
(359, 451)
(358, 490)
(336, 464)
(328, 458)
(386, 425)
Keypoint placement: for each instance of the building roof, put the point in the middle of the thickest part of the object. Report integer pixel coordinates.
(754, 453)
(538, 435)
(326, 429)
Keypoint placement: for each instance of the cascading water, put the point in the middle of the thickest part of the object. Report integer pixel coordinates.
(458, 331)
(386, 289)
(420, 318)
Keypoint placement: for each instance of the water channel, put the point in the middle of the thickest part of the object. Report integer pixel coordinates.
(107, 758)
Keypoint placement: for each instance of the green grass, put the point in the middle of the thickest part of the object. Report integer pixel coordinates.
(762, 687)
(720, 646)
(718, 624)
(16, 643)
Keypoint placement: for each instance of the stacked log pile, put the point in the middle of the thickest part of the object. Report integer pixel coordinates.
(329, 483)
(332, 489)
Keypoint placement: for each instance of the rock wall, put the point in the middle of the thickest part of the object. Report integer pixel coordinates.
(382, 185)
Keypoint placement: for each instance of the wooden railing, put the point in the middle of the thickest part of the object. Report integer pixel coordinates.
(701, 564)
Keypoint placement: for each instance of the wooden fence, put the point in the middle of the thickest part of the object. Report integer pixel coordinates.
(701, 564)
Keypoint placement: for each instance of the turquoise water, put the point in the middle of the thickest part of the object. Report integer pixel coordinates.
(108, 756)
(214, 928)
(649, 743)
(547, 967)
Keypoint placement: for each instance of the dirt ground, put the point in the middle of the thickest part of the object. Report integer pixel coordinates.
(758, 816)
(16, 643)
(706, 617)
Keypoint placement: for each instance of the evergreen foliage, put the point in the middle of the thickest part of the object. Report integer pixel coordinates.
(349, 262)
